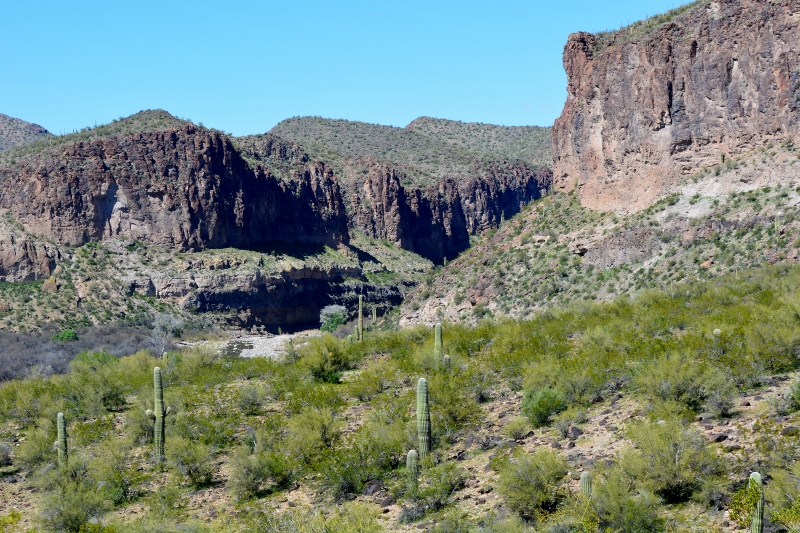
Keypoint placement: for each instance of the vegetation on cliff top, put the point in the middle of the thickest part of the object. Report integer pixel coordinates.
(425, 151)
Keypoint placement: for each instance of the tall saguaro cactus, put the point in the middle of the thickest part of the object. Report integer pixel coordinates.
(586, 484)
(412, 471)
(61, 443)
(437, 344)
(423, 418)
(374, 316)
(158, 415)
(757, 523)
(360, 318)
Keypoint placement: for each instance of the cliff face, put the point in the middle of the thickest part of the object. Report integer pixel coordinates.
(185, 188)
(719, 80)
(436, 221)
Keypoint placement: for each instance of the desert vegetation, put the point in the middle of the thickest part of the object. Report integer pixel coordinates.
(501, 425)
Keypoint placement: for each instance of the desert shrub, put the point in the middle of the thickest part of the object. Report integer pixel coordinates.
(194, 460)
(71, 504)
(117, 480)
(68, 335)
(571, 417)
(5, 454)
(540, 405)
(517, 428)
(167, 502)
(311, 434)
(371, 381)
(355, 517)
(620, 509)
(680, 377)
(255, 471)
(452, 408)
(671, 460)
(438, 485)
(326, 358)
(377, 447)
(249, 399)
(38, 446)
(532, 484)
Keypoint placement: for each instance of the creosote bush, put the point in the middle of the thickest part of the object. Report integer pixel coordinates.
(532, 485)
(541, 405)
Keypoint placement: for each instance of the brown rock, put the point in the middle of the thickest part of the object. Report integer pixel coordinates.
(51, 285)
(4, 307)
(643, 112)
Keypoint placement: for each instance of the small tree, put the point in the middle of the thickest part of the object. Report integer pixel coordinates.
(331, 317)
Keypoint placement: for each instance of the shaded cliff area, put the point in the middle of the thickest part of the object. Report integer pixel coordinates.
(430, 186)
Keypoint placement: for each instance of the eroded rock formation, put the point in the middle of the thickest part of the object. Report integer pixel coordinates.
(643, 111)
(186, 188)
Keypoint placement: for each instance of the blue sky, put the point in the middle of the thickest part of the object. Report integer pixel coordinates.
(243, 66)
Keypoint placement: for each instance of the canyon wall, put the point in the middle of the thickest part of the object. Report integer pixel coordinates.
(650, 105)
(186, 188)
(436, 221)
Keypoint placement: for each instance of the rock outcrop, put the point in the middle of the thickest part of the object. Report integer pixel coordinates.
(186, 188)
(646, 107)
(436, 221)
(15, 132)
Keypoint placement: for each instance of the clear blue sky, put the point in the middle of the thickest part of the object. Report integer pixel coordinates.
(243, 66)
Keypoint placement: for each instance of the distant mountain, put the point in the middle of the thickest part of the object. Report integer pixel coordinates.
(532, 144)
(15, 132)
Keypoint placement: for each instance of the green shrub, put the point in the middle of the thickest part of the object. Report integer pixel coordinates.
(326, 358)
(38, 446)
(680, 377)
(249, 399)
(257, 471)
(532, 484)
(311, 434)
(570, 417)
(517, 428)
(671, 460)
(622, 510)
(194, 460)
(540, 406)
(68, 335)
(115, 477)
(70, 505)
(439, 483)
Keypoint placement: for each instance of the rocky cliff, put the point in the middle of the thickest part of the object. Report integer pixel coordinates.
(431, 185)
(436, 221)
(186, 188)
(664, 98)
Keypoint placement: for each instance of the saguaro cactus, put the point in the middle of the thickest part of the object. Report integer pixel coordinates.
(437, 344)
(360, 318)
(586, 484)
(61, 443)
(423, 418)
(412, 471)
(158, 415)
(374, 316)
(757, 523)
(446, 362)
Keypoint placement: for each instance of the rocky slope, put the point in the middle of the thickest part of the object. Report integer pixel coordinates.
(15, 132)
(738, 215)
(152, 186)
(431, 185)
(664, 98)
